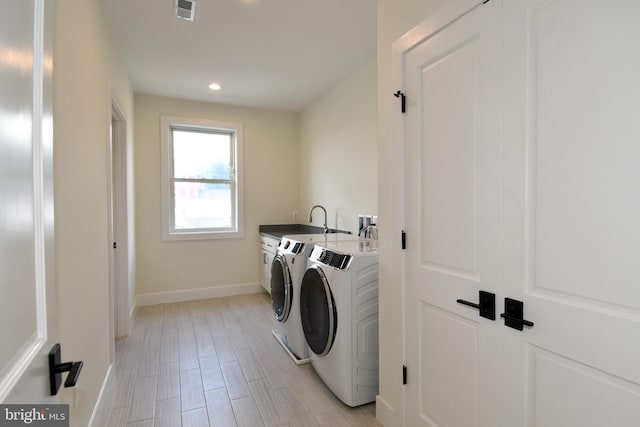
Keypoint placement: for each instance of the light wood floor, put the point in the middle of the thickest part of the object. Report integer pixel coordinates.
(215, 363)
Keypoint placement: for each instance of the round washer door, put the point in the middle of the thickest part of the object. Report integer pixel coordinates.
(317, 311)
(281, 289)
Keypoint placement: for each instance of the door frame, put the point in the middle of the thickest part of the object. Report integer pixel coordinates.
(119, 267)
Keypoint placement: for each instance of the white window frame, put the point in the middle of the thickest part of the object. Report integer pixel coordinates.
(167, 123)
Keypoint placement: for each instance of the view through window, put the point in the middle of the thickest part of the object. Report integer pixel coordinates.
(201, 179)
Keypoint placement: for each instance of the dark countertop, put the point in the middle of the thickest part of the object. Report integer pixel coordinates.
(279, 230)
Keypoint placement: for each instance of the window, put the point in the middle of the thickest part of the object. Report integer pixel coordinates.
(201, 179)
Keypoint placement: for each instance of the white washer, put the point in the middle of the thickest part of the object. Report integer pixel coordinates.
(287, 269)
(339, 315)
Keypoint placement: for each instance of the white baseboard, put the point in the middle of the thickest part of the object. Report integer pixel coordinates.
(385, 414)
(197, 294)
(105, 384)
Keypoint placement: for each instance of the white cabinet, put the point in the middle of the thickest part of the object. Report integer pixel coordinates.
(268, 245)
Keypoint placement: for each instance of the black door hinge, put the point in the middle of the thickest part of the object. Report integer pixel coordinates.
(404, 374)
(404, 239)
(400, 95)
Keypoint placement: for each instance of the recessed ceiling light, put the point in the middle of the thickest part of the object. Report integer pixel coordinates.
(215, 86)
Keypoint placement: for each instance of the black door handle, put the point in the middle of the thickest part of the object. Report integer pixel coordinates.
(56, 368)
(514, 314)
(486, 305)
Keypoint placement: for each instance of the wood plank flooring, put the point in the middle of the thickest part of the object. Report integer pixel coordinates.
(215, 363)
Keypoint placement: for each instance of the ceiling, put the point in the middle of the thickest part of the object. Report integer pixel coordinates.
(275, 54)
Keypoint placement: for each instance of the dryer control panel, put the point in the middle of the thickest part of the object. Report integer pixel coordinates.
(331, 258)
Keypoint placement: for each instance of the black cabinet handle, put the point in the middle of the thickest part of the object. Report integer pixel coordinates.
(486, 305)
(514, 314)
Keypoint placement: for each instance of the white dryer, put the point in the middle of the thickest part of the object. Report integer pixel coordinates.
(287, 269)
(339, 315)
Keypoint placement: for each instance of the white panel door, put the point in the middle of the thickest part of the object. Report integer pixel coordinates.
(27, 318)
(452, 181)
(571, 209)
(522, 172)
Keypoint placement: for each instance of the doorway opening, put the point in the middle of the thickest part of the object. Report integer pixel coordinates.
(120, 291)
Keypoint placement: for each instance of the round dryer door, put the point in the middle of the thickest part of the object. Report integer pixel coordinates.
(281, 290)
(317, 311)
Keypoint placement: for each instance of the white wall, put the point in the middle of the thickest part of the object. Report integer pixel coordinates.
(338, 152)
(395, 17)
(271, 193)
(82, 89)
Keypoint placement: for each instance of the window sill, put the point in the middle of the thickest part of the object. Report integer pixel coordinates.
(204, 235)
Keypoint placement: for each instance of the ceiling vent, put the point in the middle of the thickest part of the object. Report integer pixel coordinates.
(185, 9)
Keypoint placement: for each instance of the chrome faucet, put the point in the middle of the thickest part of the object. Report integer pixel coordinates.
(326, 230)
